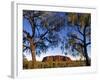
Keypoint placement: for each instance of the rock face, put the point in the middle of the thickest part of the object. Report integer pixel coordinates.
(56, 58)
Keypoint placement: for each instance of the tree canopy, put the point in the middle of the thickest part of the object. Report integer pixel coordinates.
(44, 27)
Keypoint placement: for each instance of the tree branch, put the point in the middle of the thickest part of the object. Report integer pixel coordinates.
(43, 34)
(31, 23)
(32, 26)
(41, 37)
(27, 33)
(80, 45)
(25, 39)
(25, 47)
(77, 49)
(75, 37)
(88, 43)
(79, 31)
(48, 40)
(38, 31)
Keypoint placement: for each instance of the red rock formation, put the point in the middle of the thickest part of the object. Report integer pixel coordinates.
(56, 58)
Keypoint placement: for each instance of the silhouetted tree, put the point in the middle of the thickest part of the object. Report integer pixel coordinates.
(79, 38)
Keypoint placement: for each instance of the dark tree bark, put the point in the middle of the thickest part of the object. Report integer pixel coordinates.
(86, 56)
(85, 48)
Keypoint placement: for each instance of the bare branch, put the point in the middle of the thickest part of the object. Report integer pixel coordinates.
(88, 43)
(79, 31)
(42, 35)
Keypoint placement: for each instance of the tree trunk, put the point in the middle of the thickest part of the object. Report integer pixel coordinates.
(86, 56)
(32, 46)
(85, 48)
(33, 52)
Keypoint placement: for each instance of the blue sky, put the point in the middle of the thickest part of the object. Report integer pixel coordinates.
(56, 50)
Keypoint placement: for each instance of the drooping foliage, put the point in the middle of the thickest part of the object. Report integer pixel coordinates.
(80, 37)
(43, 33)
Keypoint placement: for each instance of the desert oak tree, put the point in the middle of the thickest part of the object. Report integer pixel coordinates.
(80, 38)
(43, 34)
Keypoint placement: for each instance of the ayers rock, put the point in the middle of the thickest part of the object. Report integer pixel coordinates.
(56, 58)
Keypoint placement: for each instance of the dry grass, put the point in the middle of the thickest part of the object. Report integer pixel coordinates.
(53, 64)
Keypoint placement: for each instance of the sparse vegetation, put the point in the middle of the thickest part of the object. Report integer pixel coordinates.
(38, 65)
